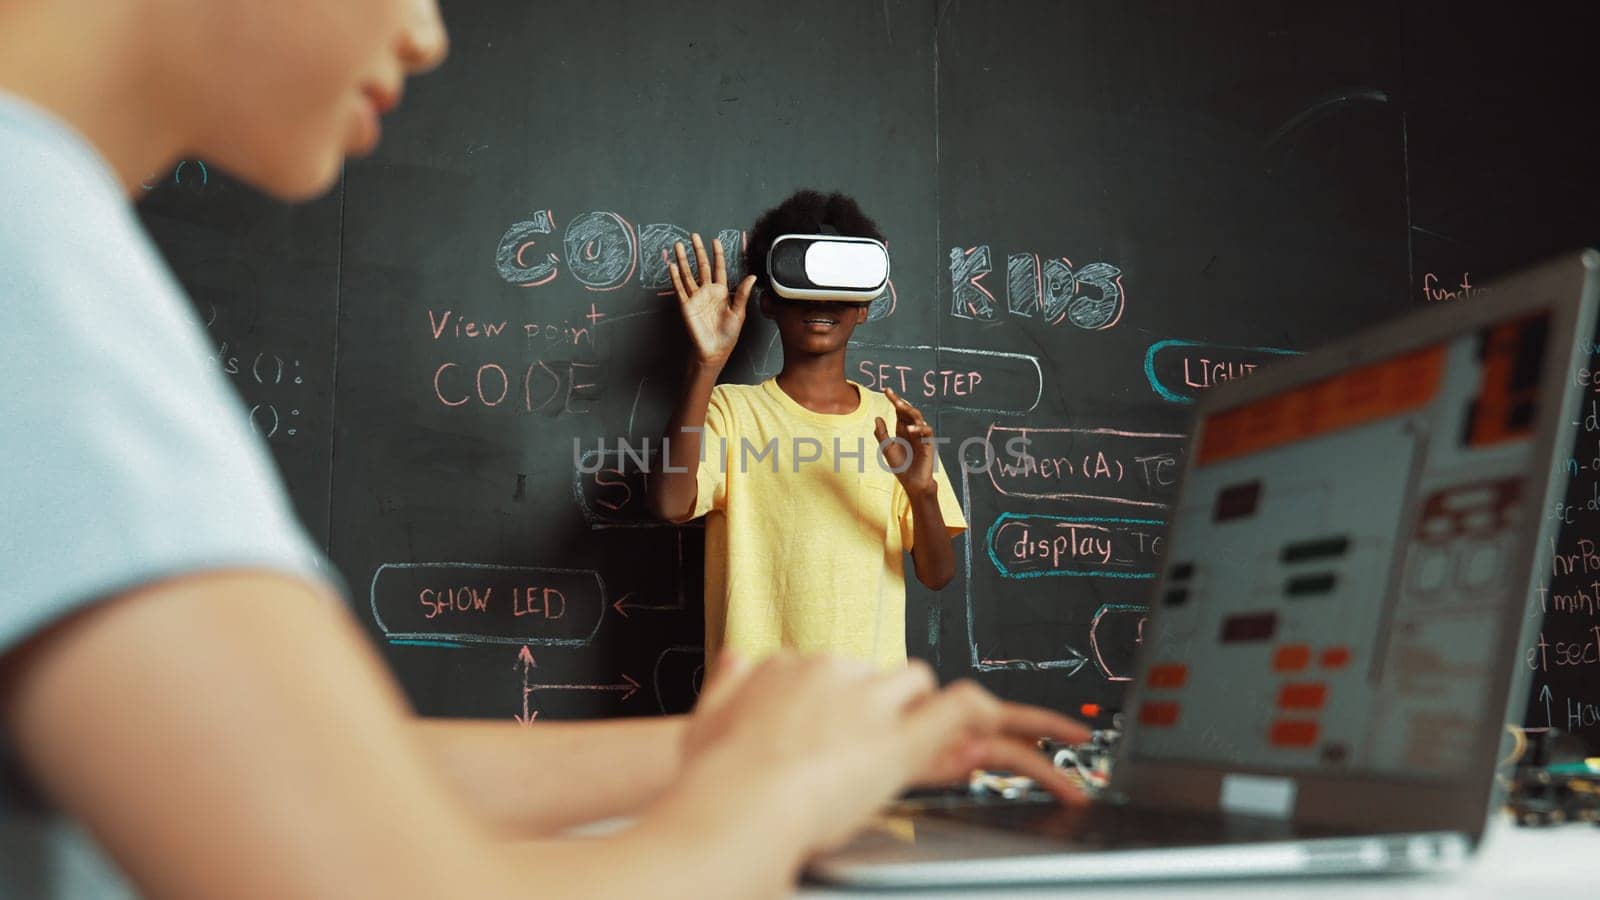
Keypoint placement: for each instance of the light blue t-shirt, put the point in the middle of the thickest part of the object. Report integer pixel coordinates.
(125, 456)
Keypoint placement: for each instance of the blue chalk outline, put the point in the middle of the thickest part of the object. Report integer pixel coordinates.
(988, 545)
(1166, 393)
(1120, 607)
(205, 175)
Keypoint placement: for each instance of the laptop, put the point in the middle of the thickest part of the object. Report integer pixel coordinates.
(1336, 639)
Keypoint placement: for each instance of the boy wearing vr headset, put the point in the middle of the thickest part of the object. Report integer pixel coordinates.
(811, 502)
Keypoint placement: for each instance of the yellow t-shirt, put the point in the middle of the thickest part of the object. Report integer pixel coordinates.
(806, 527)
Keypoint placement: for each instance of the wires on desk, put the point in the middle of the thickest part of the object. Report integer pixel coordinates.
(1555, 780)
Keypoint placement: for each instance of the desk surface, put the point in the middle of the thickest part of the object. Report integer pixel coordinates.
(1513, 863)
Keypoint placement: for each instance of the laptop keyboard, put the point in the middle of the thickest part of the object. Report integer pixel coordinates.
(1105, 826)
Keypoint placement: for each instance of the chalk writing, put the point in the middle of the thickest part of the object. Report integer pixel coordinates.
(1177, 370)
(958, 377)
(1100, 298)
(265, 379)
(268, 421)
(1104, 464)
(516, 259)
(603, 251)
(1587, 378)
(1033, 289)
(1035, 545)
(447, 323)
(466, 603)
(1433, 292)
(955, 377)
(969, 297)
(882, 306)
(1051, 290)
(1584, 561)
(610, 486)
(1591, 418)
(655, 243)
(1546, 654)
(440, 321)
(1583, 600)
(188, 173)
(1566, 601)
(540, 386)
(1581, 714)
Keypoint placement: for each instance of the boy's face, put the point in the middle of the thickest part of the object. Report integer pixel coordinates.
(813, 326)
(280, 92)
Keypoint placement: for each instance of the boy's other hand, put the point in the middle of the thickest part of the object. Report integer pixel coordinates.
(909, 425)
(702, 290)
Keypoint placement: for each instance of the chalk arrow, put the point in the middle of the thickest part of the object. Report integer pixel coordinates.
(1074, 662)
(1544, 694)
(622, 605)
(1071, 665)
(629, 687)
(525, 660)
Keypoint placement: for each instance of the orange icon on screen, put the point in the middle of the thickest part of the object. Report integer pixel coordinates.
(1158, 714)
(1335, 657)
(1302, 696)
(1293, 733)
(1167, 675)
(1291, 658)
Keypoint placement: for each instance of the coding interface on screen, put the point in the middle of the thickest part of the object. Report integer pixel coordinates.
(1340, 563)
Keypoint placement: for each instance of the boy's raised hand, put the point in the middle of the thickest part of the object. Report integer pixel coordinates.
(917, 476)
(712, 320)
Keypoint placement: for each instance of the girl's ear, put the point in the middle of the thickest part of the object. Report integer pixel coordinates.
(861, 314)
(766, 303)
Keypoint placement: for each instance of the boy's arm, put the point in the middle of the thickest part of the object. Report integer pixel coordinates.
(713, 322)
(674, 486)
(233, 734)
(553, 775)
(932, 554)
(230, 734)
(912, 454)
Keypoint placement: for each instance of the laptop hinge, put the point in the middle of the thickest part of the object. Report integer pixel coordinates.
(1258, 795)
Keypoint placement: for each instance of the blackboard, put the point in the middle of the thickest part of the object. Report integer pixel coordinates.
(1225, 166)
(1095, 211)
(264, 278)
(1502, 174)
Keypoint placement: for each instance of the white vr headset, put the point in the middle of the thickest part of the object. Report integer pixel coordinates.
(827, 267)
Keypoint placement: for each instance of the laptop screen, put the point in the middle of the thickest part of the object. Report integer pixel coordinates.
(1340, 562)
